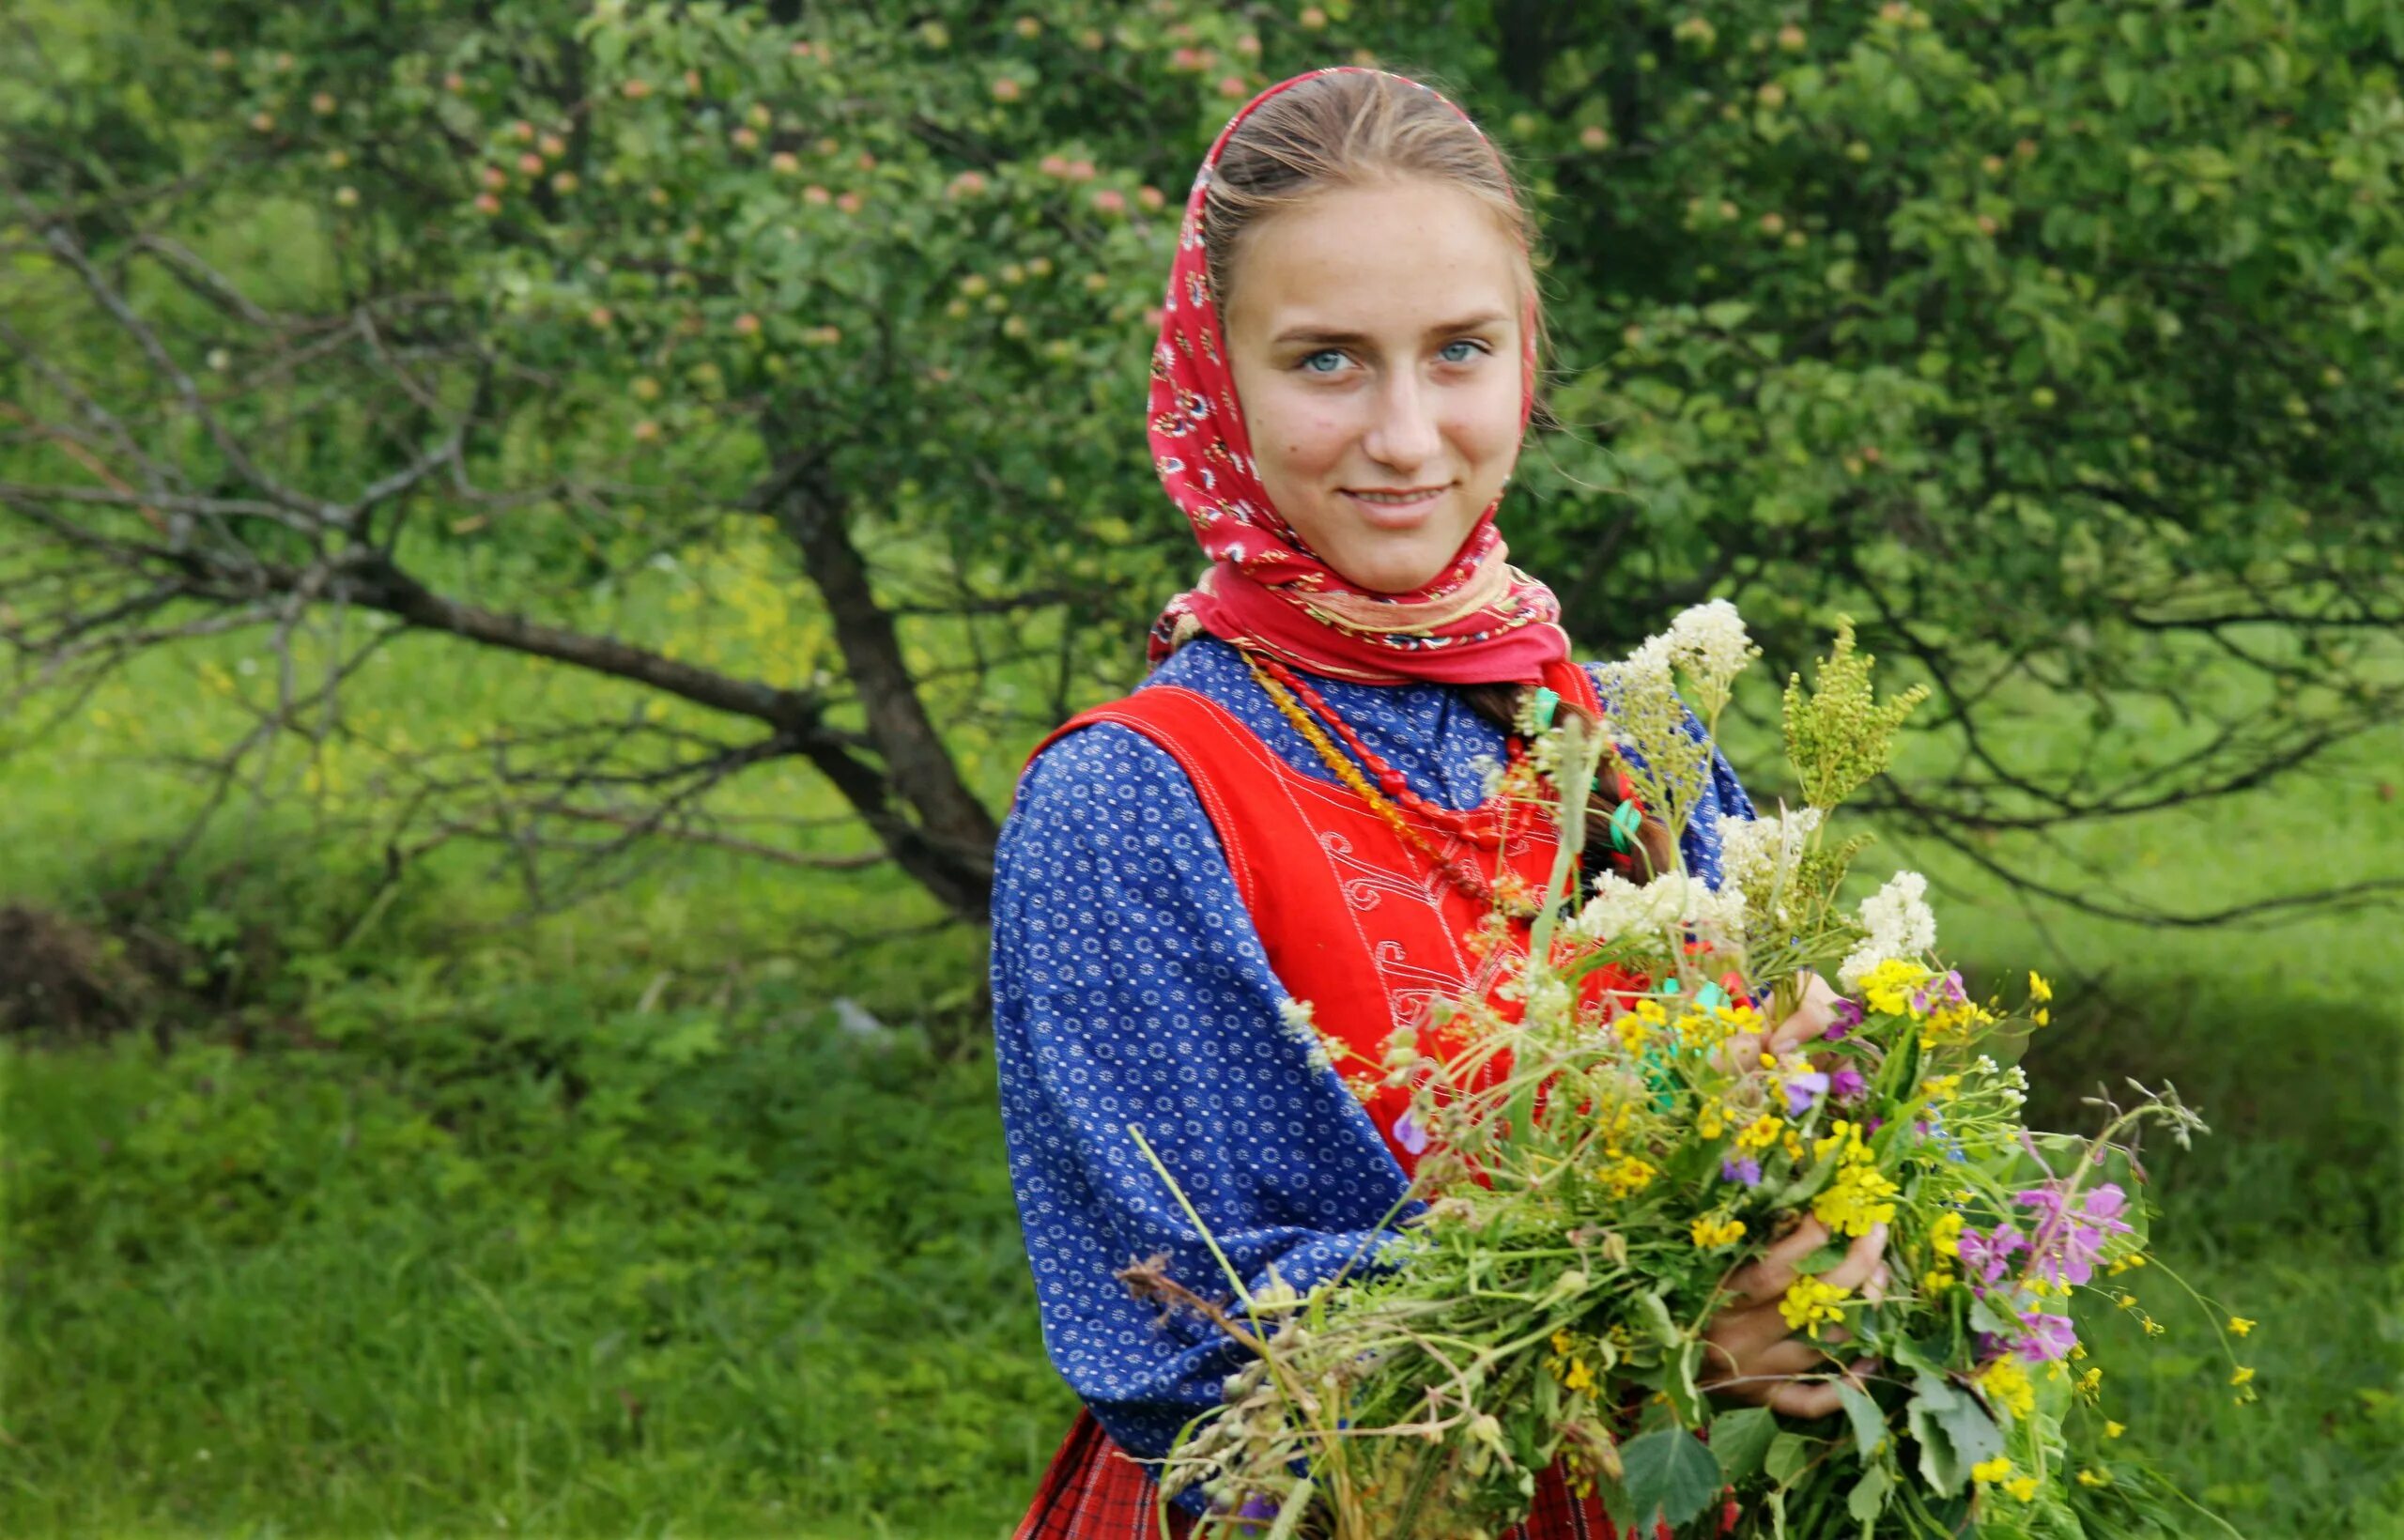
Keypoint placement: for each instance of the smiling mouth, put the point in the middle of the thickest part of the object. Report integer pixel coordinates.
(1389, 498)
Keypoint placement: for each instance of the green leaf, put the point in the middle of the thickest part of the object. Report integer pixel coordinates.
(1671, 1476)
(1741, 1440)
(1954, 1431)
(1869, 1423)
(1789, 1454)
(1869, 1499)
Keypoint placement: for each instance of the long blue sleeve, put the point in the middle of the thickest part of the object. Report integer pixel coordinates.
(1130, 989)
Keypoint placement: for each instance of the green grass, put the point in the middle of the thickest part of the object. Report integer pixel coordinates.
(411, 1265)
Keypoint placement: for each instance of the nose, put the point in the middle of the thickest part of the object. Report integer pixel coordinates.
(1403, 436)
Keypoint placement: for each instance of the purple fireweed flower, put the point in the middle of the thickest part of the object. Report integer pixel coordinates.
(1741, 1168)
(2070, 1239)
(1846, 1085)
(2049, 1338)
(1871, 1125)
(1989, 1256)
(1847, 1015)
(1257, 1506)
(1408, 1134)
(1803, 1088)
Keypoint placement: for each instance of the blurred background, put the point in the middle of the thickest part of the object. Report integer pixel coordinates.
(534, 538)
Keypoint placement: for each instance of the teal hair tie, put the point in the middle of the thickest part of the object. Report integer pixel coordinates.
(1711, 996)
(1546, 702)
(1625, 822)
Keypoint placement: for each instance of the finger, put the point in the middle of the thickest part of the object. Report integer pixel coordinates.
(1753, 1374)
(1805, 1398)
(1860, 1261)
(1770, 1276)
(1811, 1019)
(1740, 1052)
(1745, 1335)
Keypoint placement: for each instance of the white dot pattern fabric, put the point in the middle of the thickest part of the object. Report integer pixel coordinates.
(1131, 988)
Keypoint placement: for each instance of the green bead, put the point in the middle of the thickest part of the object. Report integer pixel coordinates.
(1548, 701)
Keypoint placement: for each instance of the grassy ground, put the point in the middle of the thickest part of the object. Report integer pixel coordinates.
(608, 1225)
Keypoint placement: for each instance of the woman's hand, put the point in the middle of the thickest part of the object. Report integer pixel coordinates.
(1812, 1018)
(1751, 1354)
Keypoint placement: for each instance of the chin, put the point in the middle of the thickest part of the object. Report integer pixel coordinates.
(1392, 571)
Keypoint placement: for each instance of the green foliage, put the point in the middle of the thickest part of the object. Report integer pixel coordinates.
(1838, 735)
(760, 1280)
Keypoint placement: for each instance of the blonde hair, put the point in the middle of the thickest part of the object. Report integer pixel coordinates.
(1354, 128)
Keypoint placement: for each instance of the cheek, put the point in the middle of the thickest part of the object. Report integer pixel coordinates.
(1306, 440)
(1487, 425)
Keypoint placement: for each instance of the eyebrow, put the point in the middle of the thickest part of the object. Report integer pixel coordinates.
(1333, 335)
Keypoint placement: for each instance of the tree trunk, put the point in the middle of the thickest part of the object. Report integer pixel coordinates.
(956, 827)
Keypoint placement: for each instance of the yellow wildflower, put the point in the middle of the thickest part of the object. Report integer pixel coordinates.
(1712, 1121)
(2089, 1385)
(1856, 1200)
(2241, 1376)
(1889, 986)
(2039, 989)
(2125, 1300)
(1995, 1469)
(2239, 1325)
(1940, 1087)
(1794, 1146)
(2008, 1385)
(1760, 1134)
(1953, 1024)
(1937, 1280)
(2094, 1478)
(2113, 1429)
(1945, 1235)
(1633, 1032)
(1811, 1303)
(2024, 1488)
(1841, 1133)
(1561, 1343)
(1627, 1176)
(1579, 1378)
(1710, 1233)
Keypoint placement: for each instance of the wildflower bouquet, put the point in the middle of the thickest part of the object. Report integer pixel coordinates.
(1608, 1165)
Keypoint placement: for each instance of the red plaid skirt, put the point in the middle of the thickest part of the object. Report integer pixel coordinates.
(1093, 1491)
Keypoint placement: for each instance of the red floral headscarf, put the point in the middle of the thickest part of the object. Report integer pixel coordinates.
(1480, 621)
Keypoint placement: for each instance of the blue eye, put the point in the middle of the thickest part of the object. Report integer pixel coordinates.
(1311, 363)
(1446, 352)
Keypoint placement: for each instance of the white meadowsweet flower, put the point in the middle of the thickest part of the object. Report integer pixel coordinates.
(1897, 922)
(1760, 854)
(1551, 999)
(1620, 909)
(1710, 642)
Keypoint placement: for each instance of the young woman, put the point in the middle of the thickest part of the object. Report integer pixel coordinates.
(1291, 810)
